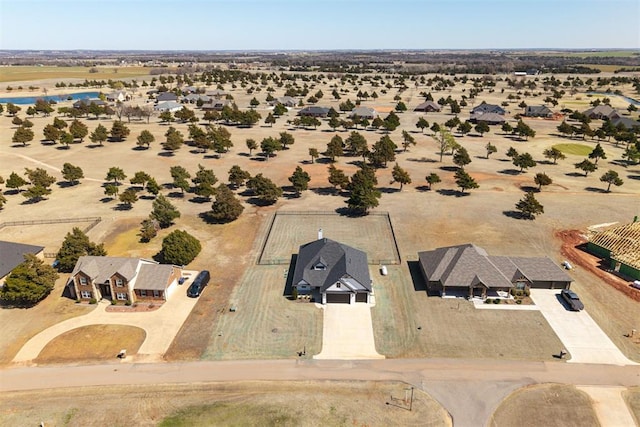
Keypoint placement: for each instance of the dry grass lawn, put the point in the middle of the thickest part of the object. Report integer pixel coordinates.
(92, 343)
(224, 404)
(546, 405)
(632, 397)
(29, 73)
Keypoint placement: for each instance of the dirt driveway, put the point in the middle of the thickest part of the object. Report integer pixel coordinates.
(348, 333)
(579, 333)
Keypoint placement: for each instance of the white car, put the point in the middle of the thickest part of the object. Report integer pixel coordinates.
(635, 284)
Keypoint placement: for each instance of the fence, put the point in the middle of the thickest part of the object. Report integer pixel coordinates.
(93, 219)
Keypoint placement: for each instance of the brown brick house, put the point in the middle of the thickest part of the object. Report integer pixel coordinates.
(122, 279)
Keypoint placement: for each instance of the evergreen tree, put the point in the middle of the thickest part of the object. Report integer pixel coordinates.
(29, 283)
(226, 207)
(529, 207)
(300, 180)
(75, 245)
(465, 181)
(72, 173)
(164, 212)
(611, 177)
(400, 176)
(179, 248)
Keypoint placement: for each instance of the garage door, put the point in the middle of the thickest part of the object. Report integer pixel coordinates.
(338, 298)
(361, 297)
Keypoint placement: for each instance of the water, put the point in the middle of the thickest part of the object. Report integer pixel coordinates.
(626, 98)
(28, 100)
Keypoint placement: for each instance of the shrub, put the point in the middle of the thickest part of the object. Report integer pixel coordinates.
(113, 302)
(488, 301)
(127, 303)
(93, 301)
(519, 301)
(496, 301)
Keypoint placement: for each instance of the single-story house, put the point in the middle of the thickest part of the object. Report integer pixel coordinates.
(468, 271)
(333, 272)
(287, 101)
(166, 96)
(168, 106)
(620, 246)
(626, 122)
(602, 111)
(314, 111)
(538, 111)
(364, 113)
(87, 102)
(489, 118)
(186, 90)
(428, 107)
(118, 96)
(216, 104)
(12, 255)
(122, 279)
(217, 93)
(484, 108)
(192, 98)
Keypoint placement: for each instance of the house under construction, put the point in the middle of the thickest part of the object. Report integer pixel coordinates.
(621, 246)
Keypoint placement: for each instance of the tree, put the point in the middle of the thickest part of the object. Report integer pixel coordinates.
(145, 139)
(270, 120)
(128, 197)
(524, 161)
(36, 193)
(529, 206)
(300, 180)
(400, 176)
(465, 127)
(163, 211)
(337, 178)
(334, 123)
(541, 179)
(114, 174)
(185, 115)
(554, 153)
(148, 230)
(119, 131)
(226, 207)
(335, 148)
(153, 187)
(507, 128)
(78, 130)
(204, 179)
(13, 109)
(490, 149)
(15, 181)
(586, 166)
(270, 145)
(22, 135)
(140, 178)
(75, 245)
(465, 181)
(461, 158)
(446, 141)
(3, 200)
(313, 152)
(482, 128)
(523, 130)
(174, 139)
(237, 176)
(251, 145)
(72, 173)
(179, 248)
(286, 139)
(264, 188)
(51, 133)
(422, 124)
(357, 144)
(611, 177)
(166, 117)
(432, 178)
(110, 190)
(39, 177)
(17, 121)
(180, 178)
(407, 140)
(99, 135)
(512, 153)
(30, 282)
(383, 151)
(598, 153)
(363, 194)
(631, 154)
(401, 107)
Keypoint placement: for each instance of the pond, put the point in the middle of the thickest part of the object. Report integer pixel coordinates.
(626, 98)
(29, 100)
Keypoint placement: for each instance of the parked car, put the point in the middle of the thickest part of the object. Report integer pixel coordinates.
(572, 300)
(635, 284)
(181, 280)
(198, 284)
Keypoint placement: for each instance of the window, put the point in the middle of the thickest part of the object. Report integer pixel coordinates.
(119, 283)
(156, 293)
(121, 296)
(86, 294)
(319, 266)
(83, 280)
(143, 293)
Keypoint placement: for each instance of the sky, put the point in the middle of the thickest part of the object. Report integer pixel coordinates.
(318, 24)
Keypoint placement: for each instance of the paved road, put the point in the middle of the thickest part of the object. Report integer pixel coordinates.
(469, 389)
(579, 333)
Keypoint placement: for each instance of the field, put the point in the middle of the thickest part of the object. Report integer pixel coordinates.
(289, 230)
(223, 404)
(575, 149)
(91, 343)
(31, 73)
(422, 219)
(546, 405)
(632, 397)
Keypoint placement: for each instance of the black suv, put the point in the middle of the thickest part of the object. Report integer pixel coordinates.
(572, 299)
(196, 288)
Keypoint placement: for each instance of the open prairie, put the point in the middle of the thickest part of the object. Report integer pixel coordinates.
(24, 73)
(423, 218)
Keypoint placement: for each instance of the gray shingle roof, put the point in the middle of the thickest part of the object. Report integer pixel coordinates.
(167, 96)
(487, 117)
(12, 255)
(488, 108)
(153, 276)
(428, 105)
(101, 268)
(626, 122)
(314, 111)
(366, 112)
(538, 110)
(340, 261)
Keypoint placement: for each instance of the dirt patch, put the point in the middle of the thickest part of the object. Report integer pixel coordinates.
(546, 405)
(249, 403)
(92, 343)
(632, 397)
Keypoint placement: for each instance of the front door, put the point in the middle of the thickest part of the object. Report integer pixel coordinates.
(105, 290)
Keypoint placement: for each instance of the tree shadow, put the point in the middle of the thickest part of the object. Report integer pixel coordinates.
(47, 142)
(575, 174)
(139, 148)
(421, 160)
(449, 192)
(256, 201)
(66, 184)
(423, 188)
(166, 154)
(122, 207)
(63, 147)
(449, 168)
(529, 189)
(92, 146)
(244, 154)
(389, 190)
(596, 190)
(515, 215)
(636, 177)
(176, 195)
(200, 199)
(107, 199)
(325, 191)
(510, 172)
(288, 283)
(350, 213)
(417, 278)
(259, 159)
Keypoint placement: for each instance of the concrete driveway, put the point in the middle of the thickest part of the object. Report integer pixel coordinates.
(161, 326)
(579, 333)
(347, 333)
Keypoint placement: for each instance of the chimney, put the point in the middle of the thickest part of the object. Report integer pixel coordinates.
(319, 233)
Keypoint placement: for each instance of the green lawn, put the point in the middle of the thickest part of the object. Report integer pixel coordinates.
(574, 149)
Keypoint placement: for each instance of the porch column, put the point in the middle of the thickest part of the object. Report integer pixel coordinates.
(324, 298)
(352, 298)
